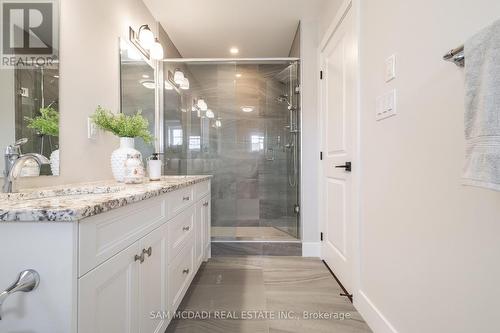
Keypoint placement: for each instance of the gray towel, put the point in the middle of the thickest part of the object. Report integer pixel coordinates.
(482, 109)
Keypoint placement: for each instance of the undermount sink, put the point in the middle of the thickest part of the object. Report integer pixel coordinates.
(54, 192)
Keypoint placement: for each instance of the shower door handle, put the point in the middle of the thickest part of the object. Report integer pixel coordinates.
(347, 166)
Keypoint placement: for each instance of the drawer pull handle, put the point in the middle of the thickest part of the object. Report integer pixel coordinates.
(205, 204)
(149, 251)
(185, 228)
(186, 198)
(185, 271)
(139, 258)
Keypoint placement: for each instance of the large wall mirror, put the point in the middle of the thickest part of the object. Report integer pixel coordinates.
(29, 116)
(137, 81)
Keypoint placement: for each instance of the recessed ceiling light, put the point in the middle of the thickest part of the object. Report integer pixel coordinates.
(247, 108)
(234, 50)
(238, 75)
(149, 84)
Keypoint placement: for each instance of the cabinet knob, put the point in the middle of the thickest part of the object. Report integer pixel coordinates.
(185, 228)
(185, 271)
(139, 258)
(205, 204)
(186, 198)
(149, 251)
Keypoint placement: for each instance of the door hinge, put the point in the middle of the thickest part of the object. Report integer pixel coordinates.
(321, 236)
(320, 155)
(321, 75)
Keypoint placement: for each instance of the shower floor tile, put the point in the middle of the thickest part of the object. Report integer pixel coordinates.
(250, 233)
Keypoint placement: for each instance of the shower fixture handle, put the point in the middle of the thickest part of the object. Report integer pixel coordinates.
(347, 166)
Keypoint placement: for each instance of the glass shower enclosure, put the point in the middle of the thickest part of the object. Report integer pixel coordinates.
(240, 122)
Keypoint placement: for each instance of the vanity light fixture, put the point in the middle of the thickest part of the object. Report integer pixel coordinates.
(238, 75)
(234, 50)
(144, 40)
(247, 108)
(185, 84)
(156, 50)
(178, 77)
(210, 114)
(146, 37)
(218, 123)
(202, 105)
(168, 86)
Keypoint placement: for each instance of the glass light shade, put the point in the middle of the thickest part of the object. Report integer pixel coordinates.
(156, 51)
(209, 113)
(202, 105)
(146, 37)
(218, 123)
(178, 77)
(185, 84)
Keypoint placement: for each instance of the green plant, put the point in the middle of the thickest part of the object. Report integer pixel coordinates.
(134, 126)
(47, 123)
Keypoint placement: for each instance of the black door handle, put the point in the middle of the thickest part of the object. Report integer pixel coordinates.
(347, 166)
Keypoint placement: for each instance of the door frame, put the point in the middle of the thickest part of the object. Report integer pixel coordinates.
(347, 6)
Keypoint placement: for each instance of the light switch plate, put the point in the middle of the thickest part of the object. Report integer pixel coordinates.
(390, 68)
(386, 105)
(91, 129)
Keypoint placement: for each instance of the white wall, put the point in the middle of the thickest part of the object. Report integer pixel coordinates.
(327, 14)
(89, 76)
(429, 246)
(309, 137)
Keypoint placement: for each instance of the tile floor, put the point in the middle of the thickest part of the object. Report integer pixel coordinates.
(250, 233)
(228, 288)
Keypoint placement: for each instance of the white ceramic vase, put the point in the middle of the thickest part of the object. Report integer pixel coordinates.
(54, 162)
(119, 156)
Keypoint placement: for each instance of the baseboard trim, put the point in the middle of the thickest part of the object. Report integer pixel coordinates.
(311, 249)
(372, 315)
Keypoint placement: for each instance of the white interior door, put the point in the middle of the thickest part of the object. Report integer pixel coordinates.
(338, 91)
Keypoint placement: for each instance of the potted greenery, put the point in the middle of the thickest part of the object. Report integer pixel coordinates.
(126, 128)
(47, 124)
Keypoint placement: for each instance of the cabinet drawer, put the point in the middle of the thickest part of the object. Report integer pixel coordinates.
(180, 273)
(179, 200)
(180, 231)
(104, 235)
(201, 189)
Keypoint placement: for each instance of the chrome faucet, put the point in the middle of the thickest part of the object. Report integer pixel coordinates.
(14, 162)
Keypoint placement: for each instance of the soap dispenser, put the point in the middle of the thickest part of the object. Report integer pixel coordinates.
(154, 167)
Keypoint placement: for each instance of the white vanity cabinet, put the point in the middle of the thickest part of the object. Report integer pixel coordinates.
(139, 288)
(122, 271)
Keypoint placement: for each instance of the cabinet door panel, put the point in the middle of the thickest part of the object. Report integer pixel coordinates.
(207, 227)
(199, 234)
(108, 295)
(152, 280)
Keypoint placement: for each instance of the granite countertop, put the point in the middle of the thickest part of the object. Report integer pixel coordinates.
(68, 203)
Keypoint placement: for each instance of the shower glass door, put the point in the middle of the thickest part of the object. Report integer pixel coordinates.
(240, 122)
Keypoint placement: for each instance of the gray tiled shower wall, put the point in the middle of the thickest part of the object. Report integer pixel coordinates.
(250, 186)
